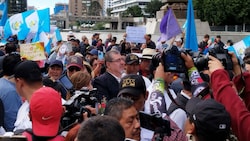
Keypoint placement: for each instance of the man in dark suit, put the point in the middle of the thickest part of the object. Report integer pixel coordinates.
(108, 83)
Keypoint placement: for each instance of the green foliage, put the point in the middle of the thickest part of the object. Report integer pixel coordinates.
(152, 7)
(109, 11)
(133, 11)
(99, 26)
(223, 12)
(95, 8)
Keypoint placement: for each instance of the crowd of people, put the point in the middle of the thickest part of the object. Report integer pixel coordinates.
(130, 80)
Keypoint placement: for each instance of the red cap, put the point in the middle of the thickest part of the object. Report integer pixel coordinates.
(46, 111)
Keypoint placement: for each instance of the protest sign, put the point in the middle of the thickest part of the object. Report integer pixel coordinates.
(135, 34)
(33, 51)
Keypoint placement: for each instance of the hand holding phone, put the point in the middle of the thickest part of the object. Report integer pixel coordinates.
(100, 55)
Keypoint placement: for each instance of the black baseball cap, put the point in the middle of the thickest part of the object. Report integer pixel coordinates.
(29, 71)
(210, 118)
(132, 84)
(132, 58)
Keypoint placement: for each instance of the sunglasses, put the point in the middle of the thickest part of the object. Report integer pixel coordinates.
(74, 68)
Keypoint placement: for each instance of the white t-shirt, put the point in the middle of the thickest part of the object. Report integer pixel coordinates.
(178, 116)
(23, 119)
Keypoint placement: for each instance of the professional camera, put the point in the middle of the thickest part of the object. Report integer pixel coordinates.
(75, 106)
(171, 59)
(201, 61)
(155, 123)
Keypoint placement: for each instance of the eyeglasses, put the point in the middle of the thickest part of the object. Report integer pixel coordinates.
(73, 68)
(118, 60)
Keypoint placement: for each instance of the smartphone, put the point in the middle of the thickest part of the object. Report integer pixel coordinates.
(100, 55)
(65, 81)
(153, 122)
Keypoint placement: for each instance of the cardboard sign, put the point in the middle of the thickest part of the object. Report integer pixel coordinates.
(33, 51)
(135, 34)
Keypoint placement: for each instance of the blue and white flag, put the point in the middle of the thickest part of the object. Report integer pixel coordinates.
(4, 11)
(43, 37)
(44, 19)
(55, 35)
(16, 25)
(239, 47)
(27, 22)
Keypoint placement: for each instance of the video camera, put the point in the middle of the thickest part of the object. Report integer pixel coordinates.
(172, 61)
(155, 123)
(75, 106)
(201, 61)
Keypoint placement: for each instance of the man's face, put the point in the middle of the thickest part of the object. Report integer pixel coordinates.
(116, 66)
(247, 67)
(55, 72)
(145, 64)
(132, 68)
(130, 123)
(139, 103)
(71, 70)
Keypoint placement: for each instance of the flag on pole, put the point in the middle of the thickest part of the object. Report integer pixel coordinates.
(43, 37)
(239, 47)
(16, 25)
(191, 37)
(27, 22)
(4, 9)
(44, 19)
(169, 26)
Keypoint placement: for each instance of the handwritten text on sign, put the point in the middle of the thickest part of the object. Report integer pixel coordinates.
(135, 34)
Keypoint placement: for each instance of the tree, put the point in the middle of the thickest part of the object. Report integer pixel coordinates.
(95, 8)
(152, 7)
(108, 11)
(223, 12)
(134, 11)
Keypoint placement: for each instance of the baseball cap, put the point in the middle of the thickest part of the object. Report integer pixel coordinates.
(70, 33)
(29, 71)
(210, 117)
(147, 53)
(178, 40)
(132, 58)
(46, 121)
(93, 52)
(75, 61)
(132, 84)
(72, 39)
(56, 63)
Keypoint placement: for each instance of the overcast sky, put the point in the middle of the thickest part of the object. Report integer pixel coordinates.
(41, 4)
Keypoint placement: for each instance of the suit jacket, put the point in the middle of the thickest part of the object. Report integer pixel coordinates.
(106, 85)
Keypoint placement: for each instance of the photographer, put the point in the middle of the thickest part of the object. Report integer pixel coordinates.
(224, 93)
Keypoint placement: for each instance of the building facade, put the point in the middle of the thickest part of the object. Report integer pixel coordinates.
(61, 7)
(16, 6)
(107, 4)
(119, 6)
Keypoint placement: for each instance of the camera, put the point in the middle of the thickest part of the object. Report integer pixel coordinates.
(171, 60)
(201, 61)
(75, 106)
(155, 123)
